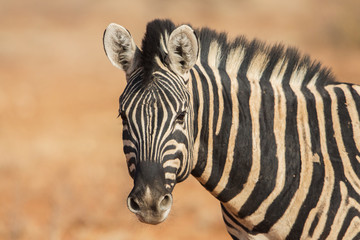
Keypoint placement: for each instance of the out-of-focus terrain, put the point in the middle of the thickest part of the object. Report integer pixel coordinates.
(62, 170)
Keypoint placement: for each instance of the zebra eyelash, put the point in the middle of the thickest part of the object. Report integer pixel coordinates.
(123, 117)
(166, 60)
(180, 118)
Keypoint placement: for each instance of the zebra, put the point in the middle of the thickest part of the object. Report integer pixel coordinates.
(267, 131)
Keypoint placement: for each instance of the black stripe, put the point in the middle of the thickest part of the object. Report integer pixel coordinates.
(357, 237)
(204, 134)
(269, 163)
(356, 97)
(215, 158)
(317, 182)
(225, 212)
(292, 155)
(195, 104)
(351, 214)
(243, 151)
(230, 226)
(220, 141)
(313, 225)
(317, 178)
(312, 113)
(347, 131)
(335, 161)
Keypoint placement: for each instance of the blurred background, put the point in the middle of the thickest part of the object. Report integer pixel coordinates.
(62, 171)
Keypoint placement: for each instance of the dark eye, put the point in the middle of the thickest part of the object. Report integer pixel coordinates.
(123, 117)
(166, 60)
(181, 117)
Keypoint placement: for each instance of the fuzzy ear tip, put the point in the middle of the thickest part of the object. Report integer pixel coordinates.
(114, 27)
(185, 28)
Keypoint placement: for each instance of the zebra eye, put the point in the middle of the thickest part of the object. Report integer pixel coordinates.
(166, 60)
(123, 118)
(181, 117)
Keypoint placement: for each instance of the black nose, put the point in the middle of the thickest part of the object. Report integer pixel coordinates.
(133, 205)
(149, 208)
(149, 199)
(138, 204)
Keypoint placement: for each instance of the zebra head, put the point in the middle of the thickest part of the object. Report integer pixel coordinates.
(156, 111)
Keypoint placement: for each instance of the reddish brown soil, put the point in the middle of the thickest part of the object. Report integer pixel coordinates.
(62, 171)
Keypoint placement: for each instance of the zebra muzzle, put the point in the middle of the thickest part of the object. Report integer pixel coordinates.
(149, 209)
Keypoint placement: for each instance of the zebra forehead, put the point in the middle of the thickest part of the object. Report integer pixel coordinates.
(152, 99)
(163, 92)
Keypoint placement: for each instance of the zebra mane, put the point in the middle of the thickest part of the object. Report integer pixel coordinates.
(158, 31)
(151, 44)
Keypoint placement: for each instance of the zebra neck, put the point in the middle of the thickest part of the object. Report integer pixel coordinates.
(221, 92)
(245, 116)
(233, 110)
(217, 120)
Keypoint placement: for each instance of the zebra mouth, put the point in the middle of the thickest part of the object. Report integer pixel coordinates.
(153, 218)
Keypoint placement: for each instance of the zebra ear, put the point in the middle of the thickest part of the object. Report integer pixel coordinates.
(183, 49)
(120, 47)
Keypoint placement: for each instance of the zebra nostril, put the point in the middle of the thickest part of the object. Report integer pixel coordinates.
(165, 202)
(133, 205)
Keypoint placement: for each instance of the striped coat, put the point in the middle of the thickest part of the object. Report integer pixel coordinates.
(268, 132)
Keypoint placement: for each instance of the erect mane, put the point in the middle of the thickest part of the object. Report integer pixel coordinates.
(158, 31)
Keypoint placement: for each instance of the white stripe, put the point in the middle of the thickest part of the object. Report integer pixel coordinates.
(233, 63)
(170, 176)
(130, 90)
(354, 115)
(158, 137)
(348, 170)
(323, 204)
(171, 163)
(199, 118)
(234, 229)
(283, 225)
(162, 42)
(214, 61)
(256, 68)
(353, 229)
(346, 204)
(209, 161)
(279, 132)
(132, 167)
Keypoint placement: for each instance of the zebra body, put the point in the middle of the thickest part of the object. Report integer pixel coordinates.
(269, 133)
